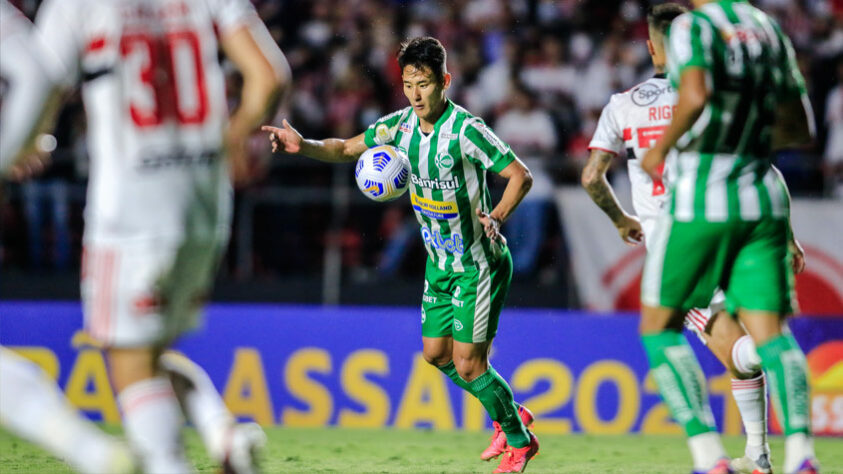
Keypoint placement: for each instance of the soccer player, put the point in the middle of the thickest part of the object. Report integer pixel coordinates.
(31, 406)
(159, 196)
(629, 125)
(741, 96)
(468, 266)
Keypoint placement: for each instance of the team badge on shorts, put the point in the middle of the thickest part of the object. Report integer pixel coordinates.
(457, 325)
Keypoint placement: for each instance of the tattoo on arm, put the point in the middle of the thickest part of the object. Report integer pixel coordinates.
(595, 183)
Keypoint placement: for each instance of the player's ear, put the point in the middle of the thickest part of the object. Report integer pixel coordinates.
(446, 81)
(651, 48)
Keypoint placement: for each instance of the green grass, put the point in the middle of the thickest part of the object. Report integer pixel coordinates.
(386, 450)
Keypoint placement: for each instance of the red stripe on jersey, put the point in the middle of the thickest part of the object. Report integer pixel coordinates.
(95, 44)
(98, 267)
(594, 148)
(627, 134)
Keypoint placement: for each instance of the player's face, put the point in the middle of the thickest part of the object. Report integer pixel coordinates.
(424, 91)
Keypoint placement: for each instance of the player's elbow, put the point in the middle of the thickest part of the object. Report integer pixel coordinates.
(281, 77)
(268, 77)
(273, 82)
(589, 177)
(696, 99)
(526, 178)
(349, 151)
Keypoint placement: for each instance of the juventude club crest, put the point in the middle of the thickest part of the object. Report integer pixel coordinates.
(444, 161)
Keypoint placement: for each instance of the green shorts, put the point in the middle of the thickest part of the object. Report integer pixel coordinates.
(465, 305)
(687, 261)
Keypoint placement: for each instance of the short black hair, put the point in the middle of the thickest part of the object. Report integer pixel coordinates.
(659, 17)
(424, 51)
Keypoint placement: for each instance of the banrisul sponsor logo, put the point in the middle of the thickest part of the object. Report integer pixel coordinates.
(441, 184)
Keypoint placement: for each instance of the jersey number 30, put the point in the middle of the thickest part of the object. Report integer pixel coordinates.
(171, 78)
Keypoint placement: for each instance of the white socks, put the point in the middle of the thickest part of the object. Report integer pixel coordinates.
(706, 450)
(152, 421)
(751, 397)
(32, 407)
(201, 403)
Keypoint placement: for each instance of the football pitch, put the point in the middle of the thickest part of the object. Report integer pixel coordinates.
(387, 450)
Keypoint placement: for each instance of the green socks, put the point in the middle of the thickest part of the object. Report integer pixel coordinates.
(451, 371)
(496, 396)
(680, 379)
(787, 376)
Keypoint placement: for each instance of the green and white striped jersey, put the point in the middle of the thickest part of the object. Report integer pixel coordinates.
(724, 159)
(448, 181)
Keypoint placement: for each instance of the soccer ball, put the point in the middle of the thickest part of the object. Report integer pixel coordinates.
(382, 173)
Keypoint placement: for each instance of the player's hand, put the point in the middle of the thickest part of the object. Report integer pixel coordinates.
(34, 159)
(285, 139)
(652, 162)
(491, 226)
(797, 256)
(629, 228)
(29, 166)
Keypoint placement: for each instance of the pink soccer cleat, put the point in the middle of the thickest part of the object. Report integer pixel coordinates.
(516, 459)
(498, 444)
(721, 467)
(808, 466)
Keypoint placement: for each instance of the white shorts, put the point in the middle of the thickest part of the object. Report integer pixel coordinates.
(697, 319)
(140, 294)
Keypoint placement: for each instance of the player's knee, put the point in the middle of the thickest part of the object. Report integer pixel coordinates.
(746, 363)
(659, 319)
(128, 366)
(471, 368)
(436, 358)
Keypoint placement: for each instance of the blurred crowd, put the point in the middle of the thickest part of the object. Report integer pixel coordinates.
(538, 71)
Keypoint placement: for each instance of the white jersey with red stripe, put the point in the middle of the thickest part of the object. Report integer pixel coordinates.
(629, 125)
(154, 93)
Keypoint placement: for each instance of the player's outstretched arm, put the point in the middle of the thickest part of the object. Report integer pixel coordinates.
(693, 95)
(286, 139)
(266, 76)
(595, 183)
(519, 181)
